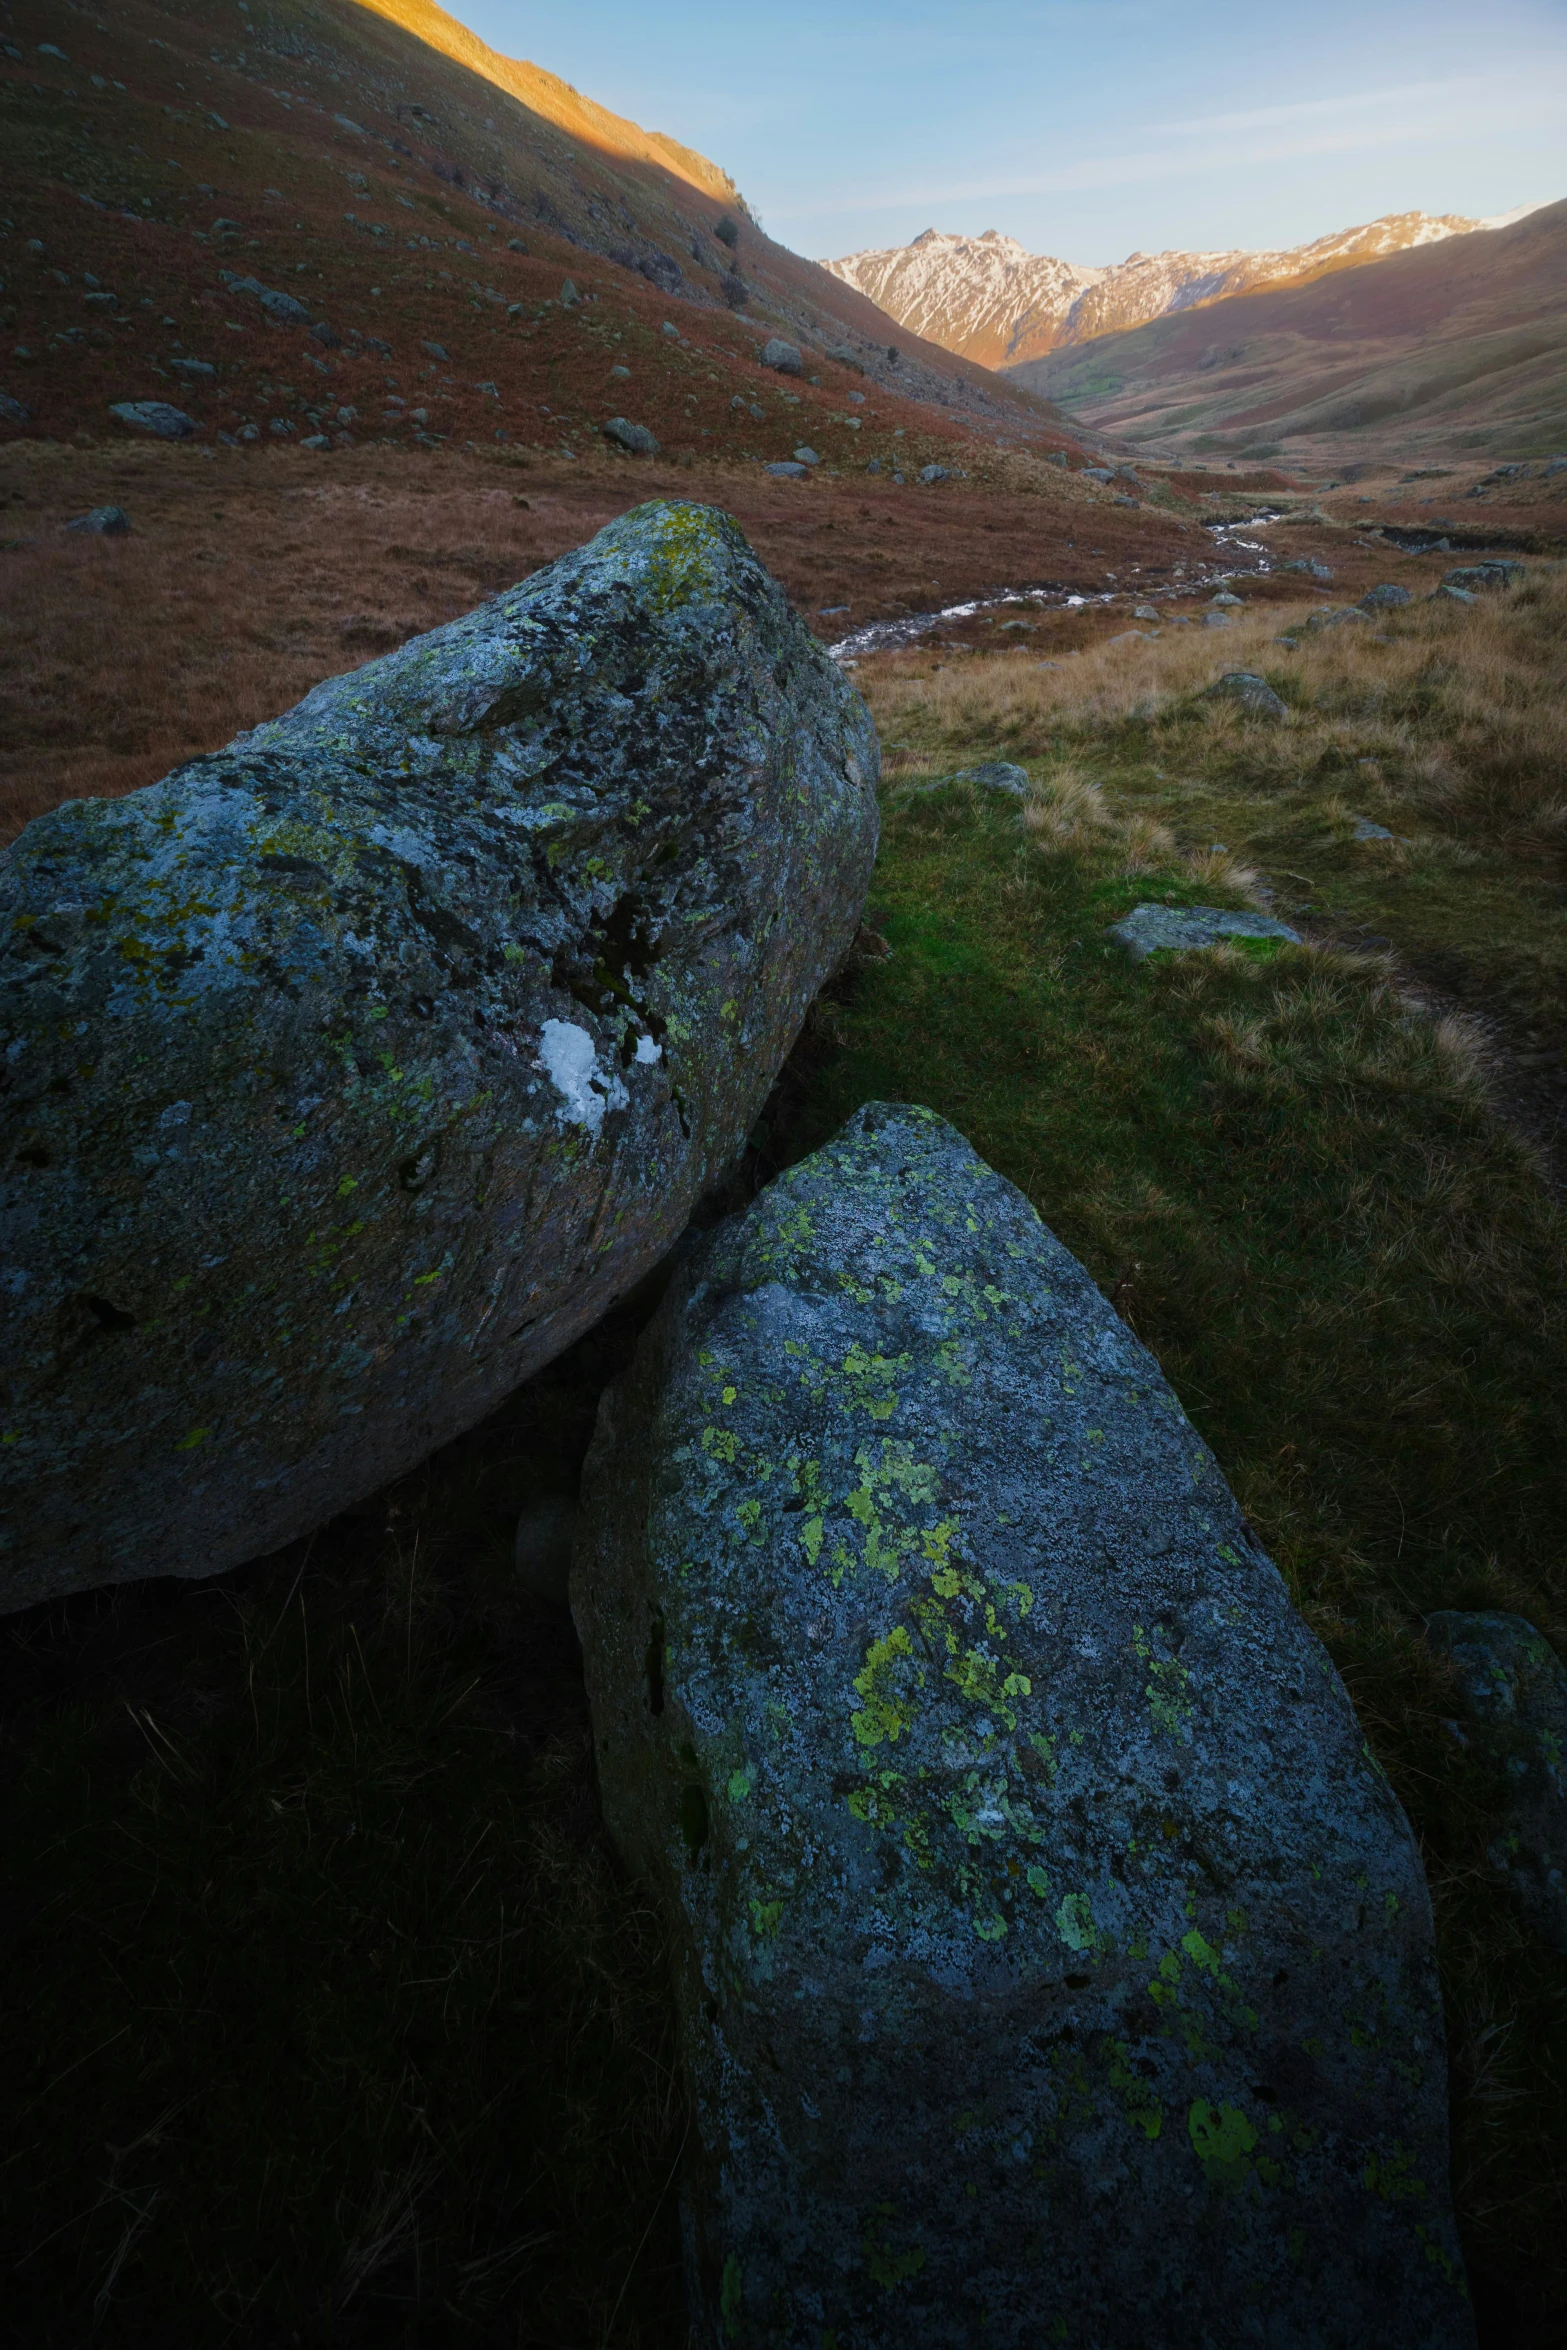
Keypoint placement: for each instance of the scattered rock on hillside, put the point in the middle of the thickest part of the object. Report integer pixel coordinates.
(1388, 597)
(1446, 594)
(932, 473)
(1217, 620)
(1486, 579)
(634, 438)
(786, 469)
(1366, 830)
(436, 351)
(1513, 1691)
(14, 411)
(1254, 694)
(806, 456)
(194, 370)
(1097, 472)
(155, 417)
(1310, 565)
(783, 358)
(1335, 616)
(283, 307)
(1145, 612)
(420, 1017)
(107, 522)
(1154, 930)
(989, 775)
(1224, 601)
(569, 296)
(1012, 1831)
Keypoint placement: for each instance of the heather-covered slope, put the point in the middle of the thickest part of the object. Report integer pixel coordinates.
(404, 185)
(1457, 348)
(992, 300)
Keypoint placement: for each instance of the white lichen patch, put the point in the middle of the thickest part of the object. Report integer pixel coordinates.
(569, 1059)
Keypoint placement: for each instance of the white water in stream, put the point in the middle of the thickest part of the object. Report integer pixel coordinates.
(1240, 558)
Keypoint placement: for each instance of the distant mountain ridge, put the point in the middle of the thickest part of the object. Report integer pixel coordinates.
(989, 299)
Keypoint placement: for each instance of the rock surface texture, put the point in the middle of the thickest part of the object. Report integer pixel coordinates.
(1513, 1696)
(356, 1068)
(1183, 930)
(1053, 1963)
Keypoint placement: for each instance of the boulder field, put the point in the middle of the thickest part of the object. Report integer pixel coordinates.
(353, 1070)
(1053, 1962)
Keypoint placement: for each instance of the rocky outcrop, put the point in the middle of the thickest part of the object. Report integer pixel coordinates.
(1052, 1959)
(1512, 1695)
(354, 1069)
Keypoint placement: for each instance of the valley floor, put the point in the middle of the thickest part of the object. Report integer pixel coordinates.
(341, 2024)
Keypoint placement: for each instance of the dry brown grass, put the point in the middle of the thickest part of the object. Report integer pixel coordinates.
(122, 656)
(1461, 712)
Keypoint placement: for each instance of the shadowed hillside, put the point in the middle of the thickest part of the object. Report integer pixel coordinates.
(1453, 347)
(401, 185)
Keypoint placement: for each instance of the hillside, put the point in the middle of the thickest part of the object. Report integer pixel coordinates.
(407, 186)
(990, 299)
(1458, 349)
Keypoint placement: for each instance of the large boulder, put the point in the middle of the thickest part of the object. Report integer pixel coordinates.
(1052, 1959)
(355, 1069)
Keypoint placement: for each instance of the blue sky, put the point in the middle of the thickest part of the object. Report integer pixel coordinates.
(1086, 128)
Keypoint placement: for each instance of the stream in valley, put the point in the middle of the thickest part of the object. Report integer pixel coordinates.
(1235, 556)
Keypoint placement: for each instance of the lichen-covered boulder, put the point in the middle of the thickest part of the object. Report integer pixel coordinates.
(1512, 1694)
(352, 1071)
(1053, 1961)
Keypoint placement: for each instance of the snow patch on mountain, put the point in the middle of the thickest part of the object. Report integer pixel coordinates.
(989, 299)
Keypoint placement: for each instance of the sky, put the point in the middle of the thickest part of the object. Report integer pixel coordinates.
(1089, 129)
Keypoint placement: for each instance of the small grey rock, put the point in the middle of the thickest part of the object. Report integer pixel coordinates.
(326, 336)
(1514, 1695)
(108, 522)
(1491, 578)
(541, 1551)
(1145, 612)
(930, 473)
(635, 439)
(1366, 830)
(1153, 930)
(1452, 595)
(1217, 620)
(194, 370)
(1336, 616)
(283, 307)
(783, 358)
(1256, 697)
(1388, 597)
(435, 351)
(315, 440)
(787, 470)
(569, 296)
(155, 417)
(996, 775)
(806, 456)
(1097, 472)
(1311, 566)
(1226, 601)
(619, 374)
(669, 328)
(13, 411)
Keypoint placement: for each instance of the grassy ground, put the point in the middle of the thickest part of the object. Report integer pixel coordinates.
(329, 2016)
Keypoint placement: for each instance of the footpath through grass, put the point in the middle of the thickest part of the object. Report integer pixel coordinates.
(329, 2017)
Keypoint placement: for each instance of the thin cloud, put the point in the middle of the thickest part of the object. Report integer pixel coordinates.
(1512, 107)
